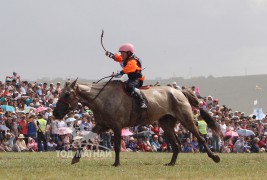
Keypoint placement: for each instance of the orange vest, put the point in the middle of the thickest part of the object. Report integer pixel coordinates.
(131, 66)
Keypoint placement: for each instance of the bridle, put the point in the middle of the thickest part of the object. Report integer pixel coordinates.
(70, 102)
(76, 97)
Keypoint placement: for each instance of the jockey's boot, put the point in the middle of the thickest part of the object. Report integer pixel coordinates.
(137, 94)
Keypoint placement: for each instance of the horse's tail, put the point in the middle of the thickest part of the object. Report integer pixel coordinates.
(212, 124)
(193, 100)
(191, 97)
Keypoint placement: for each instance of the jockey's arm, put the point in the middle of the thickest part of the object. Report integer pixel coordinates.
(118, 58)
(131, 66)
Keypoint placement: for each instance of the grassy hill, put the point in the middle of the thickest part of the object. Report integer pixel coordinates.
(237, 92)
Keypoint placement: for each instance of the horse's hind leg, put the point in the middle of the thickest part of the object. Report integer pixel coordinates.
(213, 156)
(189, 124)
(168, 123)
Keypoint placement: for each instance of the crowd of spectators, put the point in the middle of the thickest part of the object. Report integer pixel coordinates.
(26, 111)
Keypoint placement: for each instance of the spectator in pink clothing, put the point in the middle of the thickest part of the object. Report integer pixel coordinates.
(32, 145)
(123, 145)
(260, 128)
(231, 127)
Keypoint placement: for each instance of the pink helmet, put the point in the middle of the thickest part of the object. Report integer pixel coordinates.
(127, 47)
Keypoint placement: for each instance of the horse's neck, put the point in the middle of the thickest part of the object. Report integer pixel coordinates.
(89, 95)
(84, 93)
(97, 97)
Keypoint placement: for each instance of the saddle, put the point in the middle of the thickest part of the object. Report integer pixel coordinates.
(141, 88)
(144, 87)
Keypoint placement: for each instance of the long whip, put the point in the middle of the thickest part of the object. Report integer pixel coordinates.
(102, 35)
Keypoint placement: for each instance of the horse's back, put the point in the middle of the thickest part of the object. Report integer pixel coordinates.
(164, 96)
(162, 92)
(165, 99)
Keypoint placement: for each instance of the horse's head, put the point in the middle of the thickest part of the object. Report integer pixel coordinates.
(67, 100)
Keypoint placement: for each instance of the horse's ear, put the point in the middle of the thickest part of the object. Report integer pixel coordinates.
(67, 83)
(74, 83)
(77, 88)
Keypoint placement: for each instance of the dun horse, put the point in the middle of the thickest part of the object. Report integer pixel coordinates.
(114, 109)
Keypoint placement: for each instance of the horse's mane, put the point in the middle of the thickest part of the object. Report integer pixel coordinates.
(95, 88)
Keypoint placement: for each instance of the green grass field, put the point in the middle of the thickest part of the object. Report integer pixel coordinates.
(133, 166)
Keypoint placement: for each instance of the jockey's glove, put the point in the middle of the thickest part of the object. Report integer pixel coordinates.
(110, 54)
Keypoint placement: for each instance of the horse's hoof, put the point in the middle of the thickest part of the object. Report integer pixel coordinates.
(216, 158)
(169, 164)
(75, 160)
(116, 164)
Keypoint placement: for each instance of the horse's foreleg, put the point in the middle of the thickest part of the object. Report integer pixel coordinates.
(77, 156)
(167, 125)
(175, 147)
(117, 147)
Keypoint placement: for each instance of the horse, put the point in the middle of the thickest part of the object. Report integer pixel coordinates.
(115, 109)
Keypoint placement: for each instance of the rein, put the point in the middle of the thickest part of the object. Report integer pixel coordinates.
(103, 87)
(103, 78)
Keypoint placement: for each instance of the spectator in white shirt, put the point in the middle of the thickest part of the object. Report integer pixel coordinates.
(223, 126)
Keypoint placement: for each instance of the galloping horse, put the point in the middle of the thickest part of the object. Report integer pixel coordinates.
(114, 109)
